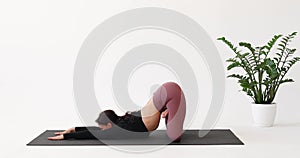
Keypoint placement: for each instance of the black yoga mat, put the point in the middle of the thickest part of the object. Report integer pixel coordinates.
(158, 137)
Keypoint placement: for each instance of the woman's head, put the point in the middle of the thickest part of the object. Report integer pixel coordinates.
(107, 118)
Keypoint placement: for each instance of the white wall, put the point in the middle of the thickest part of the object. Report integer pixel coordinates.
(40, 39)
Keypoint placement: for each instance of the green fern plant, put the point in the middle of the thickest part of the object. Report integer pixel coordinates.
(263, 75)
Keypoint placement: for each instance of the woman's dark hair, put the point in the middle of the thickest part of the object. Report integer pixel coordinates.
(107, 116)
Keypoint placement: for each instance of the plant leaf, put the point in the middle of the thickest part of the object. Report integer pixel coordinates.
(233, 65)
(286, 80)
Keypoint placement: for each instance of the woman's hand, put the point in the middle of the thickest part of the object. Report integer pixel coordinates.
(66, 131)
(59, 137)
(164, 113)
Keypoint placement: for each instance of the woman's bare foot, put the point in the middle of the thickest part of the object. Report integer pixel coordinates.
(164, 113)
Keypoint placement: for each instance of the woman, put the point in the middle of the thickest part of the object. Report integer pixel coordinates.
(167, 101)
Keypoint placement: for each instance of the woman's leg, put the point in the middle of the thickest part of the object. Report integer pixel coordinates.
(170, 96)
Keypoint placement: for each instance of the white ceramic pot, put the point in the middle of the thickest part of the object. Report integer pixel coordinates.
(264, 114)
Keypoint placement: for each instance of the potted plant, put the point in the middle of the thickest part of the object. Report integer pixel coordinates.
(262, 75)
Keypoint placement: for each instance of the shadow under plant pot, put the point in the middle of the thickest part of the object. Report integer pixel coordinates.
(264, 114)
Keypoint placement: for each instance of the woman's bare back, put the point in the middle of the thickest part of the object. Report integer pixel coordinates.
(150, 115)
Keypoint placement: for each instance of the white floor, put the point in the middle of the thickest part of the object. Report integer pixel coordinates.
(26, 111)
(24, 116)
(282, 140)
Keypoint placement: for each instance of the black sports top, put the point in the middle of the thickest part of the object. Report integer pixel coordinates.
(130, 125)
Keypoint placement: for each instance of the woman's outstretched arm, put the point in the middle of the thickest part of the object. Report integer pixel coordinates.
(70, 131)
(112, 133)
(85, 134)
(76, 129)
(66, 131)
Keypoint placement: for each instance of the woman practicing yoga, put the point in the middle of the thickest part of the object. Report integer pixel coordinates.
(167, 101)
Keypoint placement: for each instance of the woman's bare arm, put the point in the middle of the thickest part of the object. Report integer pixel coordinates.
(66, 131)
(60, 135)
